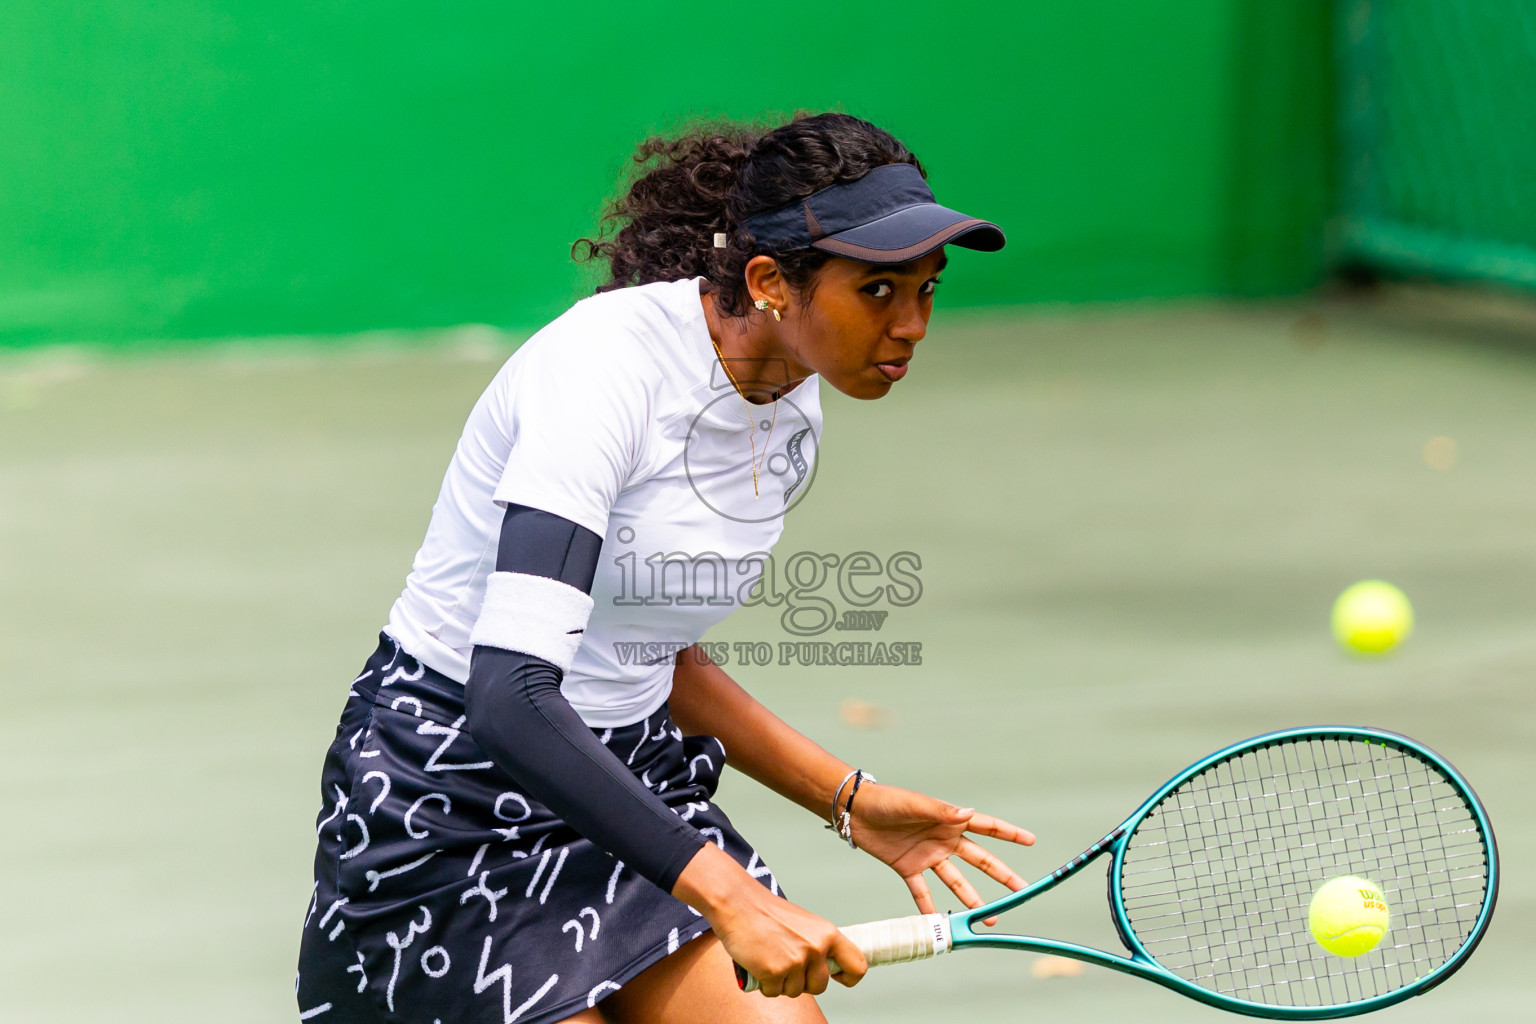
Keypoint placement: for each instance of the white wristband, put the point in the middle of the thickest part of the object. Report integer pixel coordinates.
(533, 614)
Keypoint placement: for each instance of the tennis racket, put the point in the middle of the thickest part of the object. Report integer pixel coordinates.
(1211, 878)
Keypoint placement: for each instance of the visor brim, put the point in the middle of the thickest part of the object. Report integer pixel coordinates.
(912, 233)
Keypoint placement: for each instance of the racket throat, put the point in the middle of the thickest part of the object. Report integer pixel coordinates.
(1111, 876)
(1088, 854)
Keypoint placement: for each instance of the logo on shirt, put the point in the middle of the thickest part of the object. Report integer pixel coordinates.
(796, 460)
(731, 441)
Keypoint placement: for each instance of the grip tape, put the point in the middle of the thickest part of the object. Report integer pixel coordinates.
(893, 941)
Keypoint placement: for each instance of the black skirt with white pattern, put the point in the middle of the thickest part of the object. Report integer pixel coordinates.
(443, 894)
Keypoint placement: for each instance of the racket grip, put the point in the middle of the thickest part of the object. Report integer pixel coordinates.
(893, 941)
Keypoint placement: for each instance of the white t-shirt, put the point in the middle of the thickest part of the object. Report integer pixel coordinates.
(619, 417)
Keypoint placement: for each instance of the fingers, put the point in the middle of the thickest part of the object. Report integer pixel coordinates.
(990, 863)
(987, 825)
(791, 983)
(961, 887)
(817, 976)
(993, 866)
(851, 962)
(920, 894)
(958, 883)
(997, 828)
(807, 966)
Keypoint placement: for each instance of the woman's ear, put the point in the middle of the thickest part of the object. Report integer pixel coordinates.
(764, 281)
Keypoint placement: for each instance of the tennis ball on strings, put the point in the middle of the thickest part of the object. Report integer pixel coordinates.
(1348, 916)
(1372, 617)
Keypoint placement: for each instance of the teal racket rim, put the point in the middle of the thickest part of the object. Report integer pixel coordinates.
(1153, 963)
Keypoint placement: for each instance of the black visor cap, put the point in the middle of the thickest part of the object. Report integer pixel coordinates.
(887, 216)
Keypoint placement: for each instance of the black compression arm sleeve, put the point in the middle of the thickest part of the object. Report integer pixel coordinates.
(518, 716)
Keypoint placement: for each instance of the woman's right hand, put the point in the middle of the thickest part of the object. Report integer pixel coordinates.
(785, 947)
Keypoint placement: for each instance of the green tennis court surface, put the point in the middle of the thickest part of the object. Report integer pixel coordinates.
(1131, 523)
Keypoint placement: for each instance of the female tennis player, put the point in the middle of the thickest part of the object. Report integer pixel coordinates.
(517, 820)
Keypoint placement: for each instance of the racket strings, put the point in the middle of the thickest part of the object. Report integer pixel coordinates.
(1217, 880)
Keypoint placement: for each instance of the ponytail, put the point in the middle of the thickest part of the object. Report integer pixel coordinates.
(707, 180)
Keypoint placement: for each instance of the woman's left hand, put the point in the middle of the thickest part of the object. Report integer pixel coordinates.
(914, 833)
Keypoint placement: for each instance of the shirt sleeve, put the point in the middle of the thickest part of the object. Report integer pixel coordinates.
(578, 411)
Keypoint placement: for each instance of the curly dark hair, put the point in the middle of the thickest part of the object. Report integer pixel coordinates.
(684, 188)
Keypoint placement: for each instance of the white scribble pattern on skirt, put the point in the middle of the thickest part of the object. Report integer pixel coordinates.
(444, 894)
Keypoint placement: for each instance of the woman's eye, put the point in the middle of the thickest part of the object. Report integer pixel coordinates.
(880, 289)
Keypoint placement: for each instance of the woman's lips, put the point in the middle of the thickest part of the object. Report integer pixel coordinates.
(893, 371)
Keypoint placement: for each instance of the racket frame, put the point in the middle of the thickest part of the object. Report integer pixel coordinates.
(1141, 964)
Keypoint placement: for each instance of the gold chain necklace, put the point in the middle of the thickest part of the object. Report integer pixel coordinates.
(751, 417)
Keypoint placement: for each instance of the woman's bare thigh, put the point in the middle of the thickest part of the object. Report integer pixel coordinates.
(697, 985)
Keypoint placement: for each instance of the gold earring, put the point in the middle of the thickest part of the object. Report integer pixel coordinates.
(776, 315)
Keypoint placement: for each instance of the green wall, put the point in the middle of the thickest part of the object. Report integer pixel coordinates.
(205, 168)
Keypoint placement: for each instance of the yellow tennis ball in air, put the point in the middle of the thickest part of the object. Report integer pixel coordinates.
(1372, 617)
(1348, 915)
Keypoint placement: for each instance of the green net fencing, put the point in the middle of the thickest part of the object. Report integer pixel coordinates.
(1439, 136)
